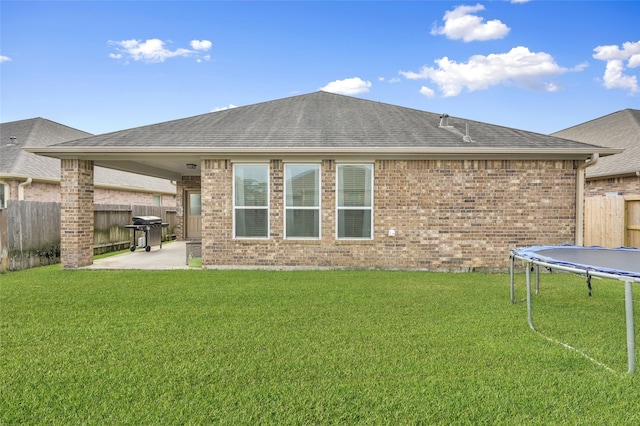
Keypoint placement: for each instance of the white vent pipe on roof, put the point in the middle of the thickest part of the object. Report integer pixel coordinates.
(580, 197)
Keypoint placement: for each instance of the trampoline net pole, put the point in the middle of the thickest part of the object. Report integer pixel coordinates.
(529, 303)
(513, 291)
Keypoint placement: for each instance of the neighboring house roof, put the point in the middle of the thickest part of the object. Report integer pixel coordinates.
(318, 123)
(618, 130)
(36, 133)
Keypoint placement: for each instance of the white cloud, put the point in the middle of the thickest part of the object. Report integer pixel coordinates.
(4, 59)
(216, 109)
(154, 50)
(201, 44)
(462, 23)
(429, 93)
(519, 66)
(348, 86)
(614, 74)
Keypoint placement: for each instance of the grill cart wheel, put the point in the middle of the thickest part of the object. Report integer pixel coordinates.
(147, 248)
(133, 248)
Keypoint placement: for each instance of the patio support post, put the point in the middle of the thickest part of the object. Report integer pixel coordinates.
(76, 213)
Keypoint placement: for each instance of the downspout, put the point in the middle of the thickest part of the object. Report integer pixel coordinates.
(21, 188)
(3, 202)
(580, 197)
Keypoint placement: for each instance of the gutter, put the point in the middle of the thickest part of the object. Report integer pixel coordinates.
(155, 152)
(21, 188)
(580, 179)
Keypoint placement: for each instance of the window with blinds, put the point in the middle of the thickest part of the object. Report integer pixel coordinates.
(302, 201)
(251, 200)
(355, 201)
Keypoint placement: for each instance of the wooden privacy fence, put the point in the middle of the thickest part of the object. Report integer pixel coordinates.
(612, 221)
(30, 231)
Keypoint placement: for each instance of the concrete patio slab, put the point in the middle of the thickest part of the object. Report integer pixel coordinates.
(172, 255)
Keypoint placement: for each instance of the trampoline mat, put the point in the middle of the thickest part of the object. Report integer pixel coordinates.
(620, 261)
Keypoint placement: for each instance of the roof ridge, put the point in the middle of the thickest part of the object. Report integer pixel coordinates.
(593, 120)
(635, 115)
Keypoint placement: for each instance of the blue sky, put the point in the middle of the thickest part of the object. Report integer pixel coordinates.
(104, 66)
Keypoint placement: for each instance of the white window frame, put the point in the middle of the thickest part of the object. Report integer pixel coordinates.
(318, 207)
(370, 166)
(267, 207)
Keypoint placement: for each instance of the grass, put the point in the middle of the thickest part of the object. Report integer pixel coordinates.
(308, 347)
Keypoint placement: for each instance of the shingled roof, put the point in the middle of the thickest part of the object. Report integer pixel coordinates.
(36, 133)
(315, 124)
(617, 130)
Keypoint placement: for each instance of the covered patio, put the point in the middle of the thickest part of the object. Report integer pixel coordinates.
(173, 255)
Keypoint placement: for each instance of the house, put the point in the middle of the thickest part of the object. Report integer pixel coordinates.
(330, 181)
(613, 184)
(30, 177)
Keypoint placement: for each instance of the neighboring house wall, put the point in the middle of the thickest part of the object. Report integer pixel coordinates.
(625, 185)
(113, 196)
(40, 191)
(447, 215)
(50, 192)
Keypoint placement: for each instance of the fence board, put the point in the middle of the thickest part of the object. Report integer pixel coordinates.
(632, 234)
(30, 231)
(607, 222)
(4, 247)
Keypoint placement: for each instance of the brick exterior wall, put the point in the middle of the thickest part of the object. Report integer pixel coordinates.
(455, 215)
(76, 215)
(626, 185)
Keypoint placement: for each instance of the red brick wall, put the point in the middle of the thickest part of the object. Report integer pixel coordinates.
(447, 215)
(50, 192)
(627, 185)
(76, 215)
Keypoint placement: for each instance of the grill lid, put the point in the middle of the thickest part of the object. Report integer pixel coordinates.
(146, 220)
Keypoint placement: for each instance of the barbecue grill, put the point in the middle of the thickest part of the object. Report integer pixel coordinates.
(150, 229)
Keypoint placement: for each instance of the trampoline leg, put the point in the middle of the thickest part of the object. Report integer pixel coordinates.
(631, 345)
(529, 303)
(537, 279)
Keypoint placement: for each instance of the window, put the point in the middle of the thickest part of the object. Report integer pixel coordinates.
(157, 200)
(355, 201)
(302, 201)
(251, 200)
(195, 204)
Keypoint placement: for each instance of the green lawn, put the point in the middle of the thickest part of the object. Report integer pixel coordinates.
(312, 347)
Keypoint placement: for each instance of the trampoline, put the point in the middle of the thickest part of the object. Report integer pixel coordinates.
(622, 264)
